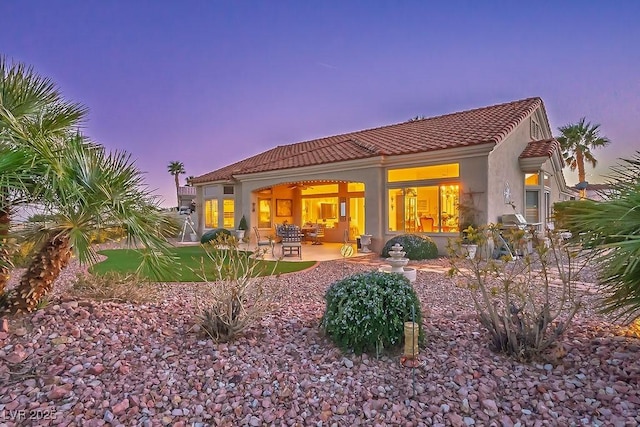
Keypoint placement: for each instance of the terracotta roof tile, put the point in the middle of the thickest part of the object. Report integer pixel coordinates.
(473, 127)
(543, 148)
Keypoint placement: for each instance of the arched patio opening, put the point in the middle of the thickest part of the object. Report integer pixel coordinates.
(338, 205)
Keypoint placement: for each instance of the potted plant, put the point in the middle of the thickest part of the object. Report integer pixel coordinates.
(470, 241)
(468, 226)
(242, 227)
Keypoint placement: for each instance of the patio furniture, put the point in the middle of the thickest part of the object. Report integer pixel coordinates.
(317, 234)
(291, 240)
(262, 242)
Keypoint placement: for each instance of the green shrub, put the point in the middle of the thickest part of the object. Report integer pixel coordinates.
(366, 312)
(416, 247)
(243, 224)
(213, 235)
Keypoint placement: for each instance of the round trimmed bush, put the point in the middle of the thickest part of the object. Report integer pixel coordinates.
(417, 247)
(366, 312)
(213, 235)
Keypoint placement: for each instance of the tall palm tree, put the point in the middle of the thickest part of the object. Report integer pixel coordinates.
(30, 106)
(87, 189)
(176, 168)
(577, 141)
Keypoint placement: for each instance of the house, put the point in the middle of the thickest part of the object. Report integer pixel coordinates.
(411, 177)
(186, 196)
(596, 192)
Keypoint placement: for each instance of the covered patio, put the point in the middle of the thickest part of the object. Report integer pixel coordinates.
(324, 252)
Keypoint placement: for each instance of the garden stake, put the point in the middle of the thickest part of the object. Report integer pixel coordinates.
(413, 338)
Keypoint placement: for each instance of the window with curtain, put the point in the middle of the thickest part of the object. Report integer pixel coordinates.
(228, 212)
(264, 213)
(426, 209)
(211, 213)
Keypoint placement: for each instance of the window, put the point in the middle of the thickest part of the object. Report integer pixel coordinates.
(320, 209)
(549, 208)
(319, 189)
(211, 213)
(531, 179)
(531, 212)
(228, 212)
(451, 170)
(354, 187)
(536, 130)
(424, 208)
(227, 189)
(264, 213)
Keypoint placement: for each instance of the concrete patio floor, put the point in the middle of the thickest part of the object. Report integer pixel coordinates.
(310, 252)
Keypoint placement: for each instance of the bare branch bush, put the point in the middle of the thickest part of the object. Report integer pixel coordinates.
(114, 287)
(242, 291)
(526, 301)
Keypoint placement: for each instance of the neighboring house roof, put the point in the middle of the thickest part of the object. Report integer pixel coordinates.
(466, 128)
(542, 148)
(598, 187)
(186, 191)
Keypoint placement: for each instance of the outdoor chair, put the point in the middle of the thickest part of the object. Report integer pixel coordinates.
(262, 242)
(317, 234)
(291, 240)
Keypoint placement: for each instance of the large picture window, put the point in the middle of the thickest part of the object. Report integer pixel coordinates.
(211, 213)
(424, 199)
(228, 212)
(426, 209)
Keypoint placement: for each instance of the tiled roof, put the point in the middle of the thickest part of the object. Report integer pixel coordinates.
(467, 128)
(542, 148)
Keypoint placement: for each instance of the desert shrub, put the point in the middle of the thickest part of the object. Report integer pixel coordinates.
(416, 247)
(213, 235)
(114, 287)
(109, 234)
(241, 293)
(514, 297)
(366, 312)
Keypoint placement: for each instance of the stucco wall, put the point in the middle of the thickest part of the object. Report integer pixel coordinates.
(504, 167)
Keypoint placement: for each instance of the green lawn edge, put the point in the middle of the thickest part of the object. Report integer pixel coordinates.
(126, 261)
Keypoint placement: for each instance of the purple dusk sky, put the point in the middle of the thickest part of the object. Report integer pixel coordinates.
(212, 82)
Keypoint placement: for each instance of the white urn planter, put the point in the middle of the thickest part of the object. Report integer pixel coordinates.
(239, 234)
(469, 251)
(365, 241)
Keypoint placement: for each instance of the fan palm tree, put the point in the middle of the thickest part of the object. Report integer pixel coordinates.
(577, 141)
(176, 168)
(30, 106)
(87, 189)
(612, 228)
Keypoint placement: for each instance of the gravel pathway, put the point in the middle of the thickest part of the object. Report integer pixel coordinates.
(80, 362)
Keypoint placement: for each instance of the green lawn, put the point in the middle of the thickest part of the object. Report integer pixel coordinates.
(188, 259)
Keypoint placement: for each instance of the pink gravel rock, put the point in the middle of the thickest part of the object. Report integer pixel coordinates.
(284, 369)
(120, 407)
(59, 392)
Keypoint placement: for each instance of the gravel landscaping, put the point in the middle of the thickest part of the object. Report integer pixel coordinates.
(81, 362)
